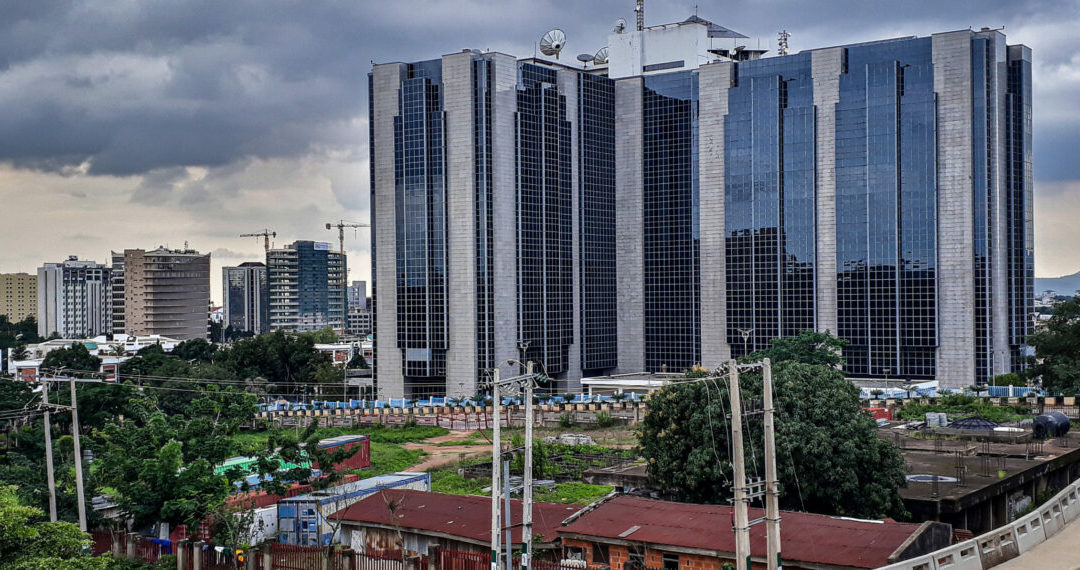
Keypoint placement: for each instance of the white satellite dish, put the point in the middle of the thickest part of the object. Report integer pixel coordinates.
(601, 56)
(585, 58)
(553, 42)
(620, 26)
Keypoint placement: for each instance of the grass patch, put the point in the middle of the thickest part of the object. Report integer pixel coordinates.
(389, 458)
(959, 405)
(448, 481)
(248, 442)
(573, 492)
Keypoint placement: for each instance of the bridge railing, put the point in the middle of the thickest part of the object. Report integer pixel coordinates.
(1004, 543)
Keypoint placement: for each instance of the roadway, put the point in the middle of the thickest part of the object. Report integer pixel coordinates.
(1060, 552)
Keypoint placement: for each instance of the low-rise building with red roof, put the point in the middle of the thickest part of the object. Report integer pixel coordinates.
(419, 522)
(635, 533)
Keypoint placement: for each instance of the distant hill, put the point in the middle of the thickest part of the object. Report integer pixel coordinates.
(1064, 285)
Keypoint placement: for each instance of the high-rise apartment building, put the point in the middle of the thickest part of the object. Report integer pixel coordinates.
(74, 299)
(166, 292)
(245, 294)
(685, 201)
(117, 280)
(18, 296)
(306, 287)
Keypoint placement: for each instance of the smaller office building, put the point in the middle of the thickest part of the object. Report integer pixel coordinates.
(306, 287)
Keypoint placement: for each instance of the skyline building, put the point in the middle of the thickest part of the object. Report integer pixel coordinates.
(117, 284)
(74, 299)
(685, 201)
(18, 296)
(166, 292)
(358, 295)
(245, 297)
(306, 287)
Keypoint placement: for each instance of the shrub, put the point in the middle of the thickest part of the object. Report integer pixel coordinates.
(566, 420)
(604, 419)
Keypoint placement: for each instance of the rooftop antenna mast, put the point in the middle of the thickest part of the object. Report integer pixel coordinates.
(783, 41)
(639, 11)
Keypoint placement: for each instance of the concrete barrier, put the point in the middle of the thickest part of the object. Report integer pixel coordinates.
(1029, 531)
(1052, 518)
(961, 556)
(926, 562)
(996, 547)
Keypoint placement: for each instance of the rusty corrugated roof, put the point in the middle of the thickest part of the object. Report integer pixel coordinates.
(465, 516)
(805, 537)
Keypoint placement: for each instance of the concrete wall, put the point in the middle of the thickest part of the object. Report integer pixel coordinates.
(504, 210)
(458, 101)
(956, 288)
(825, 66)
(630, 221)
(386, 86)
(568, 87)
(714, 80)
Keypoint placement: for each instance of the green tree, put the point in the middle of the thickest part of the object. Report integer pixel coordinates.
(194, 349)
(1057, 349)
(1010, 379)
(28, 542)
(162, 466)
(807, 347)
(323, 336)
(830, 459)
(358, 362)
(75, 358)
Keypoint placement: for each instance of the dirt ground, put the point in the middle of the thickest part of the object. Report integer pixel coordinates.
(440, 454)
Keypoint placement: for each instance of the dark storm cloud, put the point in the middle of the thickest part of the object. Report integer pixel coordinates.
(131, 87)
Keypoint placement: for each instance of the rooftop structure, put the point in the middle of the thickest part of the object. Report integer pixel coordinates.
(429, 517)
(809, 540)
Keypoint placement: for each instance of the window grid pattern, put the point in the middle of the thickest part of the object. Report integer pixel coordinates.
(671, 240)
(1021, 269)
(769, 202)
(485, 237)
(421, 223)
(886, 210)
(372, 214)
(544, 187)
(596, 149)
(983, 172)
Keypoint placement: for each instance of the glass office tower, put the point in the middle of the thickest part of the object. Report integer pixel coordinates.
(684, 202)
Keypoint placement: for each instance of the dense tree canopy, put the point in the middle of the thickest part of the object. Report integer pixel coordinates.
(75, 360)
(1057, 349)
(808, 347)
(829, 458)
(29, 542)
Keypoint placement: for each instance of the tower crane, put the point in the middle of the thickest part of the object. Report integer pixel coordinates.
(341, 225)
(265, 234)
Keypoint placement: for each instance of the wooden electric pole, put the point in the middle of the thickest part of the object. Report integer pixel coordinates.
(527, 493)
(48, 453)
(742, 515)
(496, 468)
(772, 491)
(78, 456)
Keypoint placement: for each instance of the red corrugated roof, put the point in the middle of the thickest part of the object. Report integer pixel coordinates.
(805, 537)
(465, 516)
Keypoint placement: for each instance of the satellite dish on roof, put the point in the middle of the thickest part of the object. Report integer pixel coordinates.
(584, 58)
(620, 26)
(601, 56)
(552, 42)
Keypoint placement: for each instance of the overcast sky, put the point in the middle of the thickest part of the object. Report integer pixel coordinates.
(126, 123)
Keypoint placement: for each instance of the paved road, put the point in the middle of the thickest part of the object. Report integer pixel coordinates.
(1061, 552)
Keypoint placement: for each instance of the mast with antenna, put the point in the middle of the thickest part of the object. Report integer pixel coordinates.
(783, 41)
(639, 11)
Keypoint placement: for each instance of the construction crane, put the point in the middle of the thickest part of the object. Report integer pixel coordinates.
(265, 234)
(341, 225)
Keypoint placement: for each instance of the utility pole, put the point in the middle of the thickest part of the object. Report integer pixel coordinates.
(78, 456)
(496, 467)
(772, 491)
(527, 477)
(48, 453)
(742, 515)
